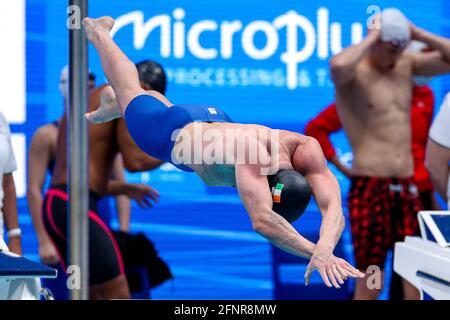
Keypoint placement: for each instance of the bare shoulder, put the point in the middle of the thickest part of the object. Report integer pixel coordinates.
(294, 137)
(410, 56)
(408, 59)
(301, 144)
(308, 156)
(45, 138)
(309, 144)
(45, 134)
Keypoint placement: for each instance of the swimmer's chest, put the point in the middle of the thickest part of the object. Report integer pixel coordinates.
(377, 92)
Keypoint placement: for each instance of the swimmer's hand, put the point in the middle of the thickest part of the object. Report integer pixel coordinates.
(333, 270)
(143, 194)
(48, 253)
(109, 108)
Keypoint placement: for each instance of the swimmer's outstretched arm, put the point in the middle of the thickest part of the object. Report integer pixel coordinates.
(254, 191)
(311, 161)
(326, 192)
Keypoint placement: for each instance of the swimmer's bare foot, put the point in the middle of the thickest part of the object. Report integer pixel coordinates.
(95, 26)
(109, 108)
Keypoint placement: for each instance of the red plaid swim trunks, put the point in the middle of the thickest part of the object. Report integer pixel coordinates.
(382, 212)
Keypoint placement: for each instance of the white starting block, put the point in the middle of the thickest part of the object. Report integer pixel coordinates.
(20, 277)
(425, 261)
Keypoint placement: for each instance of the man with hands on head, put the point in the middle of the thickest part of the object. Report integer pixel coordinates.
(327, 122)
(373, 81)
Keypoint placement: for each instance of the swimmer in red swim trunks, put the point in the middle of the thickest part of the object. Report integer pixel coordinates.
(327, 122)
(373, 97)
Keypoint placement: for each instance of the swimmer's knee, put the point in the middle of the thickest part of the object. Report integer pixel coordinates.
(116, 288)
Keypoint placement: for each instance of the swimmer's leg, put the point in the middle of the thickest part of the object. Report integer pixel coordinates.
(109, 108)
(116, 288)
(119, 70)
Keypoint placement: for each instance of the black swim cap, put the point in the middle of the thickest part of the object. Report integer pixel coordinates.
(153, 75)
(291, 194)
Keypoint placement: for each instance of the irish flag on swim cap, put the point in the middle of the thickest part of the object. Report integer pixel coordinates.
(276, 192)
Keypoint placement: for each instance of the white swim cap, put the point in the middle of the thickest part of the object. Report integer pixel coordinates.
(395, 27)
(416, 46)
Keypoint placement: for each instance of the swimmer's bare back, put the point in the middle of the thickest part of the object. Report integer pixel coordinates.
(220, 155)
(215, 170)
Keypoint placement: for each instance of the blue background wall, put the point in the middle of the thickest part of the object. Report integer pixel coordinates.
(204, 233)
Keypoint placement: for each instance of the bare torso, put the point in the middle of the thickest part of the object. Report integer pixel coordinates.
(102, 151)
(375, 112)
(273, 149)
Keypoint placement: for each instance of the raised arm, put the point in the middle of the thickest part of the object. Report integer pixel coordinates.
(432, 63)
(343, 65)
